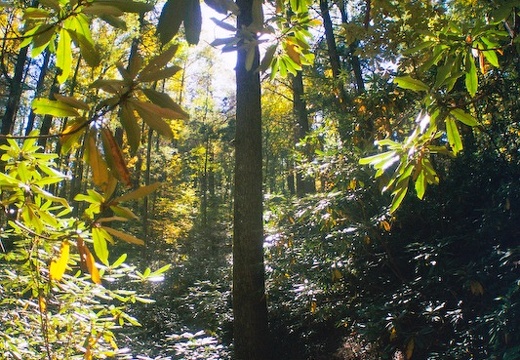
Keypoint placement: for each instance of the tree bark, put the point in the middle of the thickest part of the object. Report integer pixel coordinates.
(249, 302)
(303, 185)
(333, 51)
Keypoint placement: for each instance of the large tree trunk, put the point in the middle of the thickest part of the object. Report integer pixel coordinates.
(249, 303)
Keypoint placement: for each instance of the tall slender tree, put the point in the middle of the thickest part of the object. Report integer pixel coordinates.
(249, 301)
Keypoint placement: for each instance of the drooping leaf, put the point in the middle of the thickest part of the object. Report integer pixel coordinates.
(171, 18)
(87, 261)
(98, 165)
(160, 74)
(100, 238)
(97, 9)
(59, 265)
(64, 55)
(409, 83)
(464, 117)
(165, 101)
(113, 21)
(86, 47)
(130, 125)
(453, 134)
(127, 6)
(224, 25)
(159, 61)
(157, 110)
(72, 101)
(123, 236)
(193, 22)
(138, 193)
(471, 78)
(155, 122)
(115, 158)
(41, 40)
(53, 107)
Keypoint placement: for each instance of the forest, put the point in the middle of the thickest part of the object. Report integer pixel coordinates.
(260, 179)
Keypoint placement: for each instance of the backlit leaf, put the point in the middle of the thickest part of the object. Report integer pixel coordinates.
(124, 236)
(87, 261)
(453, 136)
(53, 107)
(409, 83)
(471, 79)
(98, 165)
(127, 6)
(157, 110)
(100, 237)
(64, 55)
(160, 74)
(160, 61)
(130, 125)
(138, 193)
(72, 101)
(58, 266)
(165, 101)
(464, 117)
(115, 158)
(155, 122)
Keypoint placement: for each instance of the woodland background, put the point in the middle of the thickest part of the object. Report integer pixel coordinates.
(355, 197)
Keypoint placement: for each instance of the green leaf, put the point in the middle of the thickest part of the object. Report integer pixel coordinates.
(86, 47)
(471, 78)
(454, 138)
(420, 184)
(72, 101)
(409, 83)
(42, 40)
(491, 57)
(398, 196)
(100, 237)
(268, 58)
(464, 117)
(53, 107)
(101, 9)
(64, 55)
(378, 158)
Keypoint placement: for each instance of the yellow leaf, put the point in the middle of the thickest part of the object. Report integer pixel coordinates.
(336, 275)
(42, 303)
(409, 349)
(314, 306)
(393, 334)
(87, 261)
(386, 225)
(123, 236)
(476, 287)
(58, 266)
(100, 175)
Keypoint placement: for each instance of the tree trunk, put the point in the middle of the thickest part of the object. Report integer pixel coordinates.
(333, 51)
(303, 185)
(15, 93)
(249, 302)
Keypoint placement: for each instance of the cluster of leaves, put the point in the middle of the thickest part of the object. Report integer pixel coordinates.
(438, 281)
(449, 55)
(55, 302)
